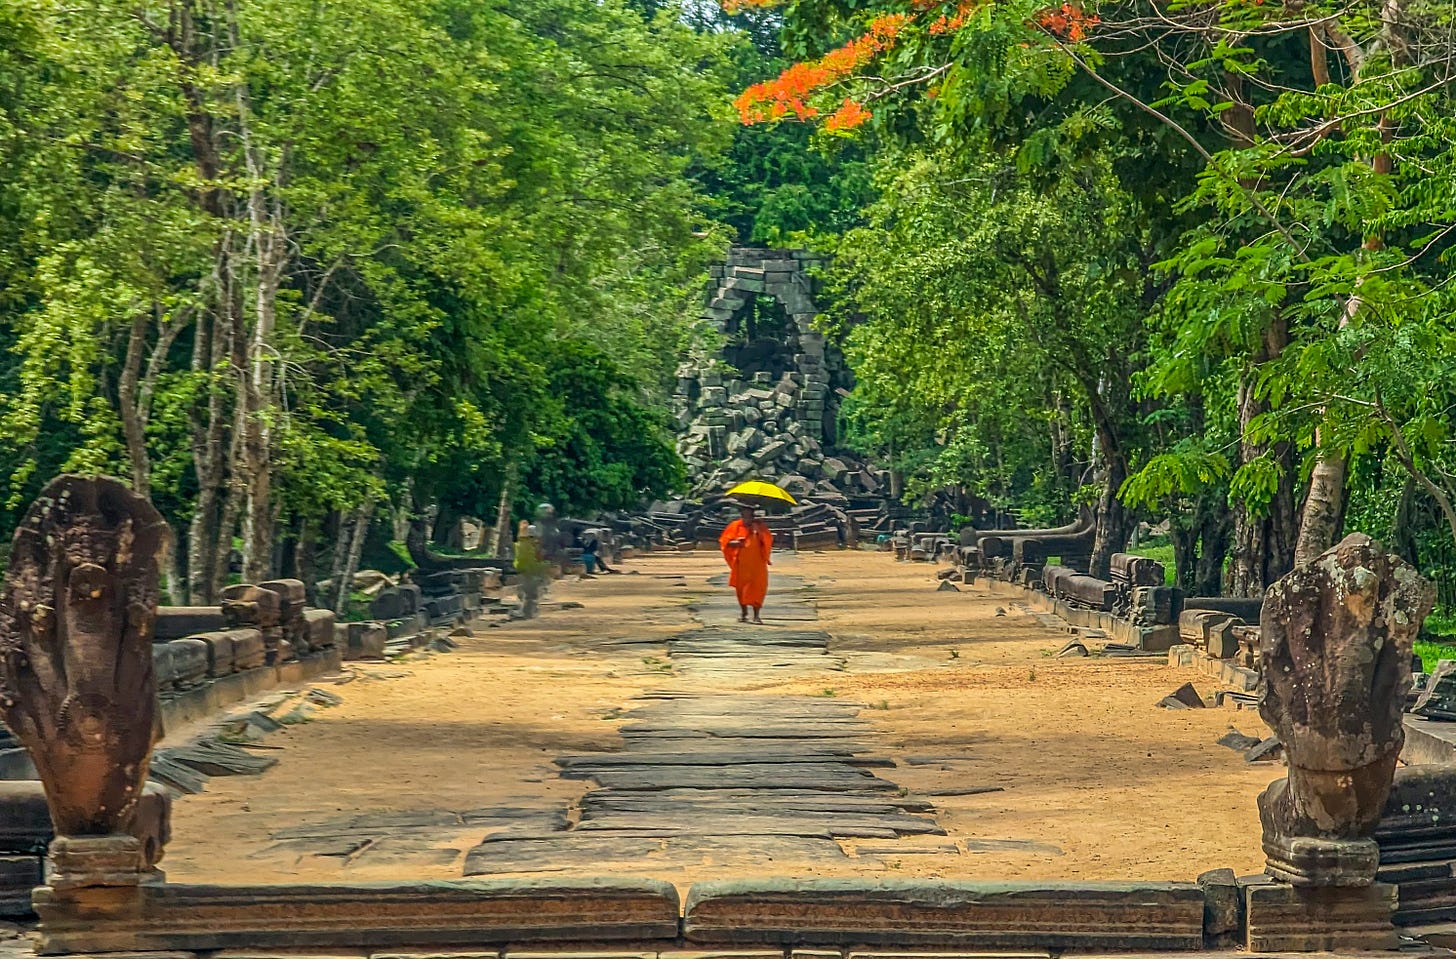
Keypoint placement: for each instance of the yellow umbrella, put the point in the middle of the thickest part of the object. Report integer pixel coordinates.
(762, 495)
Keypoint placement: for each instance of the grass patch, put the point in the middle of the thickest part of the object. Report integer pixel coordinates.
(1433, 652)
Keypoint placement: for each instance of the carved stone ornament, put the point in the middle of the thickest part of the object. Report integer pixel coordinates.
(76, 617)
(1336, 640)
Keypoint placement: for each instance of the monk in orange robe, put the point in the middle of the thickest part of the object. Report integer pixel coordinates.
(746, 544)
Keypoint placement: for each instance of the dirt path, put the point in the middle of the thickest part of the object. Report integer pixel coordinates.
(884, 713)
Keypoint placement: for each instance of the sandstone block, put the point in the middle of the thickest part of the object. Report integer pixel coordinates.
(249, 649)
(365, 641)
(178, 622)
(248, 605)
(1076, 916)
(189, 662)
(320, 626)
(1285, 918)
(373, 916)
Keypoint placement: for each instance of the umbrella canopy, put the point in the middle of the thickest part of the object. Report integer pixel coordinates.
(761, 495)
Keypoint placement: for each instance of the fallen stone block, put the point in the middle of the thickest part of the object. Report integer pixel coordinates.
(1073, 916)
(1438, 698)
(1154, 605)
(212, 758)
(365, 641)
(397, 603)
(1185, 697)
(1237, 741)
(175, 776)
(1222, 642)
(1268, 751)
(164, 669)
(1196, 625)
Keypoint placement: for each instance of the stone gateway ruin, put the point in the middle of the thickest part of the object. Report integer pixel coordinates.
(759, 396)
(77, 686)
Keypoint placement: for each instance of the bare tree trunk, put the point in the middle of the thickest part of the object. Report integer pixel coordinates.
(343, 538)
(131, 419)
(232, 504)
(356, 549)
(500, 542)
(267, 241)
(1324, 505)
(172, 579)
(1113, 519)
(305, 559)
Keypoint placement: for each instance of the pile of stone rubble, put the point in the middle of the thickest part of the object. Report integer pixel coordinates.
(738, 430)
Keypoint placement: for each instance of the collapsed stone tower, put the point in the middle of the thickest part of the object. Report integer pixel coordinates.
(763, 403)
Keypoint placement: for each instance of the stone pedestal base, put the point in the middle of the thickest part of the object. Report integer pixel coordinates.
(85, 862)
(1285, 918)
(1302, 861)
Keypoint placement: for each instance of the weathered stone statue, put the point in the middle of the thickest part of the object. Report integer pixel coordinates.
(1336, 646)
(76, 682)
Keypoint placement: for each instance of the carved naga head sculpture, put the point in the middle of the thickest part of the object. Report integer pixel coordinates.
(76, 618)
(1336, 639)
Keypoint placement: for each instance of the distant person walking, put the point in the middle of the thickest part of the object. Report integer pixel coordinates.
(591, 555)
(747, 544)
(531, 570)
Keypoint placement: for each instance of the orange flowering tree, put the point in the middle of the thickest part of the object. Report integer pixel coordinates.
(900, 47)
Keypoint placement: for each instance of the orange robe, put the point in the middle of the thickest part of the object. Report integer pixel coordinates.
(749, 563)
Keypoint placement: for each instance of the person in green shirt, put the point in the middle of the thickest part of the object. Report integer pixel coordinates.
(531, 569)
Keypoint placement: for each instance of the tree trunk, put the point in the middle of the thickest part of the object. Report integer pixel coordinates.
(351, 564)
(447, 529)
(173, 581)
(232, 507)
(1263, 540)
(211, 351)
(258, 395)
(1213, 539)
(1319, 525)
(1113, 519)
(501, 539)
(339, 558)
(1403, 524)
(1185, 555)
(131, 419)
